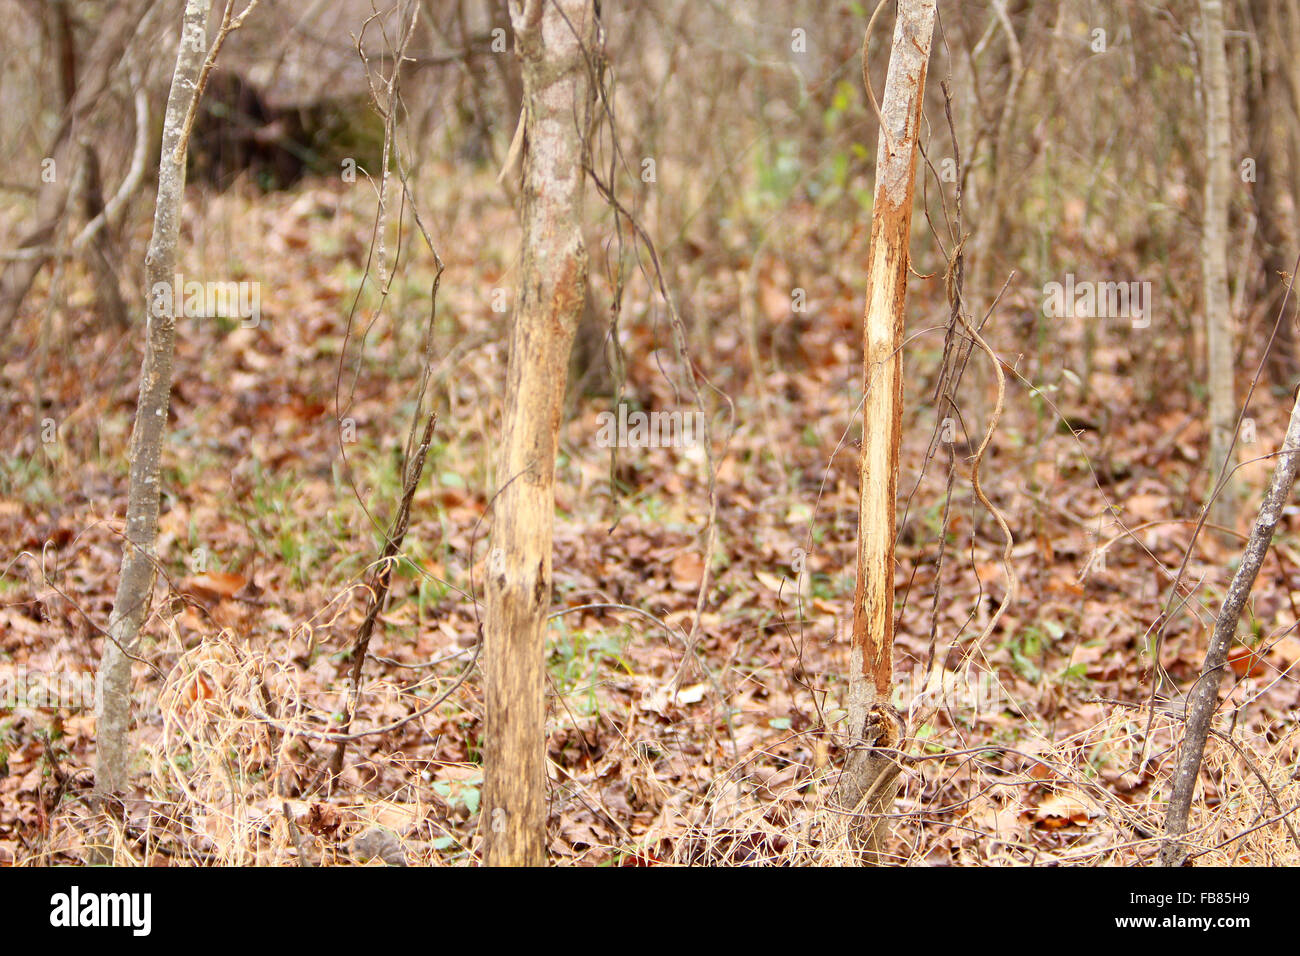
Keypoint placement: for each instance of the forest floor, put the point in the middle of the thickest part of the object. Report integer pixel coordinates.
(1048, 741)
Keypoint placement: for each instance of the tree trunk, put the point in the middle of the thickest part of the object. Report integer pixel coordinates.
(100, 252)
(1273, 146)
(551, 39)
(873, 726)
(1270, 154)
(135, 585)
(1214, 258)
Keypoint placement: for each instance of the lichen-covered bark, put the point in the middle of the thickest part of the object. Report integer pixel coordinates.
(550, 38)
(135, 585)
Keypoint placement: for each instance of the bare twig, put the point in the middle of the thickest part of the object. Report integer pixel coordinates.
(1203, 700)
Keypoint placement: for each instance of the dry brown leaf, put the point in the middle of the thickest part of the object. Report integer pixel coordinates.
(213, 585)
(687, 570)
(1057, 810)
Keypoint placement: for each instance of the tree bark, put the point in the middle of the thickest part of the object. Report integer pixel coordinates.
(550, 38)
(1214, 260)
(135, 584)
(873, 726)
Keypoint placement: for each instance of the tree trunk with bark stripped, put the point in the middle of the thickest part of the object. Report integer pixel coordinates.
(869, 783)
(552, 39)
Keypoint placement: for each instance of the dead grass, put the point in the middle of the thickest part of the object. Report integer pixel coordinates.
(234, 726)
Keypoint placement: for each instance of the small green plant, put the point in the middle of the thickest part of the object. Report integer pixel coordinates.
(1026, 650)
(466, 793)
(576, 661)
(779, 172)
(823, 586)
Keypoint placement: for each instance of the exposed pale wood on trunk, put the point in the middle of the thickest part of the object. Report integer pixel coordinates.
(871, 656)
(550, 39)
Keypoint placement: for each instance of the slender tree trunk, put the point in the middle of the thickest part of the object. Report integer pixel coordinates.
(135, 585)
(995, 207)
(1270, 152)
(1203, 700)
(100, 252)
(873, 725)
(1214, 256)
(65, 48)
(512, 83)
(550, 38)
(1284, 27)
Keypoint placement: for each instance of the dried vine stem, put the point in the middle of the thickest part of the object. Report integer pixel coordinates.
(417, 441)
(382, 577)
(1008, 541)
